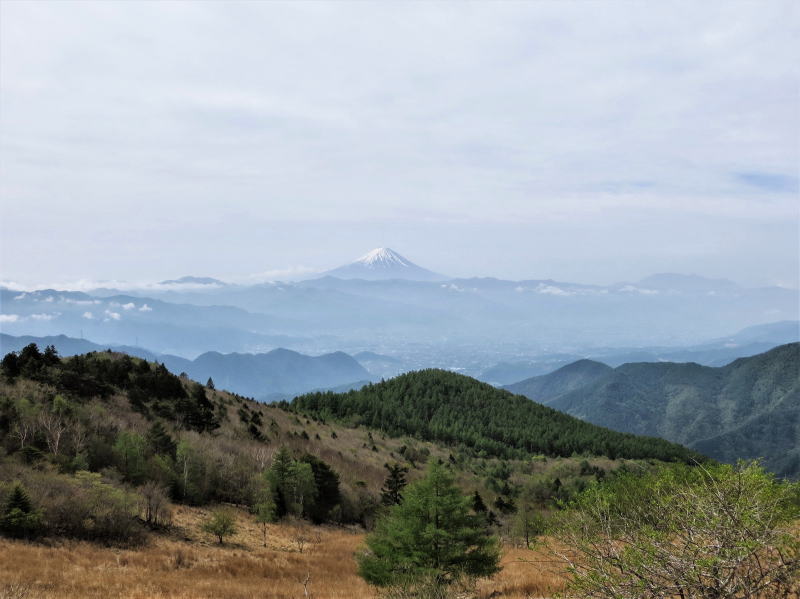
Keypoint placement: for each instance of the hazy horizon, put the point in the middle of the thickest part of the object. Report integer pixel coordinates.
(585, 142)
(294, 274)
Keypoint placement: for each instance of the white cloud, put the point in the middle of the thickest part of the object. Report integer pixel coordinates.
(44, 316)
(9, 317)
(68, 300)
(145, 308)
(88, 315)
(128, 306)
(552, 290)
(112, 315)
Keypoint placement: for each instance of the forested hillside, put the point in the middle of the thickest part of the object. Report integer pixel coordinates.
(456, 410)
(102, 443)
(567, 378)
(747, 409)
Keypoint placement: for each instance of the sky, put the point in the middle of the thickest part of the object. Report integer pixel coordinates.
(581, 141)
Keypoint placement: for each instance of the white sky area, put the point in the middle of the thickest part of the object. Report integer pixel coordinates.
(582, 141)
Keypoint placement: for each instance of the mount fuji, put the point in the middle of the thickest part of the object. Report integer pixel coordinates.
(382, 264)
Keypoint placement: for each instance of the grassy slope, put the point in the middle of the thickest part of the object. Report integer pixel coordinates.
(187, 564)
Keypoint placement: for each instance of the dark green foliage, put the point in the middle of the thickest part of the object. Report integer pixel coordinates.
(10, 365)
(327, 494)
(159, 440)
(19, 518)
(306, 487)
(278, 476)
(442, 406)
(431, 534)
(391, 493)
(505, 505)
(198, 411)
(478, 505)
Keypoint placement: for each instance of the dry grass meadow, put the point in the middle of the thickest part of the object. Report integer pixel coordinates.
(188, 564)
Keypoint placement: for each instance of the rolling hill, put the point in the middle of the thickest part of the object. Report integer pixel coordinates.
(445, 407)
(278, 371)
(747, 409)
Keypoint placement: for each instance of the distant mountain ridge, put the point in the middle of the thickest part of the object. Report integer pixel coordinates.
(716, 352)
(278, 373)
(567, 378)
(381, 264)
(747, 409)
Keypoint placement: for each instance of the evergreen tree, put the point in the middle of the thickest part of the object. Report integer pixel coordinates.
(430, 534)
(10, 365)
(391, 493)
(20, 519)
(199, 410)
(50, 356)
(159, 440)
(327, 495)
(266, 513)
(478, 506)
(278, 477)
(210, 383)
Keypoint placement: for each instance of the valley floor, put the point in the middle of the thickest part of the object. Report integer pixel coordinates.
(188, 564)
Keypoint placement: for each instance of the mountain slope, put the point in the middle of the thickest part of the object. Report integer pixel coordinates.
(281, 372)
(383, 263)
(726, 412)
(567, 378)
(446, 407)
(278, 371)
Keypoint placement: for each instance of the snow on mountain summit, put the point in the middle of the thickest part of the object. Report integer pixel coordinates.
(382, 257)
(383, 263)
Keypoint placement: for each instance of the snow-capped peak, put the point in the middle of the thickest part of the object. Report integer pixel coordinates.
(380, 257)
(383, 264)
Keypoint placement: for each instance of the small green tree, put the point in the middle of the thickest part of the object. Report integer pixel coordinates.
(221, 524)
(266, 513)
(302, 488)
(430, 534)
(129, 450)
(20, 519)
(278, 477)
(391, 493)
(527, 522)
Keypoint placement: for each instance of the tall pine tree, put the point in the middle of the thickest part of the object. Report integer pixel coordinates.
(431, 534)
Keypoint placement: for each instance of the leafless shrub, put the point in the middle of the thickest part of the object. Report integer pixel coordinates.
(154, 506)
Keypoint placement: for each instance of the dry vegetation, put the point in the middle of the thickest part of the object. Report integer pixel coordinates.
(187, 563)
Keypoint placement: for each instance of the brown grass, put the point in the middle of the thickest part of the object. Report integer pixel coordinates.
(189, 564)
